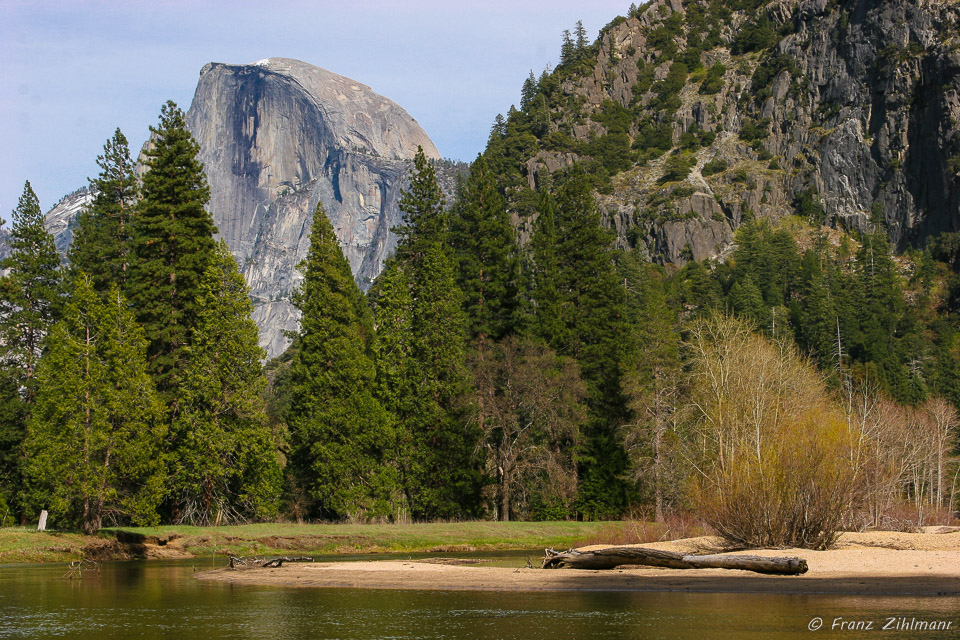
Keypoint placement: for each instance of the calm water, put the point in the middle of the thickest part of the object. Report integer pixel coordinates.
(161, 600)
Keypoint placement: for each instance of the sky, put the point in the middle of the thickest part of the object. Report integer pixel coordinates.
(71, 72)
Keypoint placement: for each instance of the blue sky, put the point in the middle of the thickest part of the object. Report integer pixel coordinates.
(74, 71)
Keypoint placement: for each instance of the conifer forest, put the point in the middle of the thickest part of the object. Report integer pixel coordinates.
(514, 360)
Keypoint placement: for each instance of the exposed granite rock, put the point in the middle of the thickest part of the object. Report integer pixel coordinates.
(861, 112)
(276, 137)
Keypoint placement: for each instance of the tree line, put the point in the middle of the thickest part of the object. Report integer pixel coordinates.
(502, 366)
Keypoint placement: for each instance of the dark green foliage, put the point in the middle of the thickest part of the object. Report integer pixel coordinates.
(651, 379)
(755, 35)
(425, 219)
(767, 71)
(340, 434)
(94, 436)
(444, 474)
(29, 301)
(886, 336)
(544, 282)
(808, 206)
(224, 464)
(588, 328)
(172, 247)
(422, 350)
(677, 167)
(714, 80)
(817, 313)
(615, 118)
(718, 165)
(28, 298)
(101, 241)
(486, 252)
(654, 136)
(755, 131)
(12, 431)
(668, 90)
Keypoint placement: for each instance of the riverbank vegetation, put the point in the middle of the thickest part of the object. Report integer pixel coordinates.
(22, 544)
(508, 364)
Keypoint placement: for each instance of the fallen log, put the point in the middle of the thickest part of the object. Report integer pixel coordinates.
(264, 563)
(616, 556)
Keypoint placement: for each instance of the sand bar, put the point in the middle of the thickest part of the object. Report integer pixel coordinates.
(875, 563)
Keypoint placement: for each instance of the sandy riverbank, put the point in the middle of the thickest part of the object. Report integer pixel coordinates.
(875, 563)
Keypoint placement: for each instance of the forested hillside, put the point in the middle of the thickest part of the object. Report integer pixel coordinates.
(656, 291)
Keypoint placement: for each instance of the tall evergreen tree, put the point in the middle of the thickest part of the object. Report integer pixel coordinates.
(101, 242)
(29, 298)
(486, 251)
(652, 380)
(592, 326)
(28, 307)
(424, 216)
(445, 470)
(397, 369)
(172, 247)
(94, 436)
(224, 467)
(440, 467)
(543, 283)
(339, 430)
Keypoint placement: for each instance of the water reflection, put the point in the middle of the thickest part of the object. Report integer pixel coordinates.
(162, 600)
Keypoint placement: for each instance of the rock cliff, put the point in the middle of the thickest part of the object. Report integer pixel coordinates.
(699, 113)
(276, 137)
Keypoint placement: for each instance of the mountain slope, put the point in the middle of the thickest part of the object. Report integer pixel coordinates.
(693, 116)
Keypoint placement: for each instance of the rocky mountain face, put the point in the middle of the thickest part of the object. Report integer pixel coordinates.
(712, 111)
(276, 137)
(280, 135)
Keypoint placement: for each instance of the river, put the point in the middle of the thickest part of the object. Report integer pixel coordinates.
(161, 599)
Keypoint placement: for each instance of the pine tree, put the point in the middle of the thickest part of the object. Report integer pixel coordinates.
(446, 470)
(397, 369)
(425, 219)
(580, 44)
(816, 311)
(486, 251)
(339, 430)
(543, 287)
(568, 50)
(593, 325)
(93, 440)
(29, 299)
(652, 380)
(440, 469)
(172, 247)
(101, 242)
(28, 305)
(528, 92)
(224, 463)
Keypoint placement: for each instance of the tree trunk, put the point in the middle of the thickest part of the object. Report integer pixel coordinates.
(505, 495)
(615, 556)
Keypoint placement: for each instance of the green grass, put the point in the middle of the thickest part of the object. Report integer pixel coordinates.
(24, 545)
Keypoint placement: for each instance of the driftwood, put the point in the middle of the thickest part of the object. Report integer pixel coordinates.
(264, 563)
(615, 556)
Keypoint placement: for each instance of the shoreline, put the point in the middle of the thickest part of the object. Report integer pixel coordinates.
(878, 563)
(26, 545)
